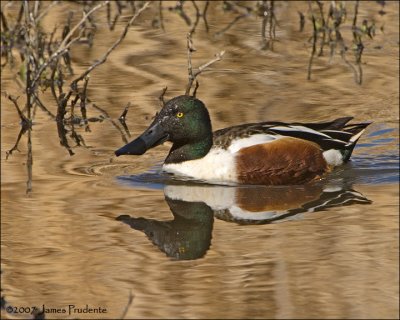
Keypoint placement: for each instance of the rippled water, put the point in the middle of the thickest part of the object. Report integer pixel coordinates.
(96, 228)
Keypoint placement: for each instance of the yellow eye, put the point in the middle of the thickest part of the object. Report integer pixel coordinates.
(179, 114)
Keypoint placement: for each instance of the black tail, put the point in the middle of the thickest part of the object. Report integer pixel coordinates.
(356, 129)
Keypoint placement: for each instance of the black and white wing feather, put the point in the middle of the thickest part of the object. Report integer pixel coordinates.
(336, 134)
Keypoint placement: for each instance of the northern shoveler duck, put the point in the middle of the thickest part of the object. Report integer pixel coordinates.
(269, 153)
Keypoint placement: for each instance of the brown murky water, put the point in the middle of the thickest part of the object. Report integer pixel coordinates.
(94, 229)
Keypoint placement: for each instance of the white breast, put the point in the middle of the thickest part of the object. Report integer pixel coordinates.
(217, 166)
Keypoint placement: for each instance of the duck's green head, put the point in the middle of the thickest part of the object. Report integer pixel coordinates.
(184, 120)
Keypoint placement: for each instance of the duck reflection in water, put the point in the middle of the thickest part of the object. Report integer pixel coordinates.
(188, 235)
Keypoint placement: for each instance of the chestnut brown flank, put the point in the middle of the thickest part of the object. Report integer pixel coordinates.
(284, 161)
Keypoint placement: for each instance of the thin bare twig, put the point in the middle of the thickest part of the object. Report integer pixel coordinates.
(161, 97)
(41, 105)
(29, 162)
(315, 34)
(23, 118)
(190, 69)
(359, 45)
(302, 21)
(15, 147)
(62, 134)
(268, 14)
(160, 13)
(272, 21)
(264, 22)
(204, 15)
(66, 43)
(62, 104)
(53, 81)
(122, 118)
(340, 40)
(195, 89)
(192, 75)
(130, 300)
(77, 137)
(45, 11)
(83, 97)
(28, 90)
(323, 40)
(73, 103)
(196, 22)
(179, 9)
(355, 14)
(236, 19)
(111, 25)
(107, 117)
(218, 57)
(4, 24)
(199, 15)
(116, 43)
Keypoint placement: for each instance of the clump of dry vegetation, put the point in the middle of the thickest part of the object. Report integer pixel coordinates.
(45, 63)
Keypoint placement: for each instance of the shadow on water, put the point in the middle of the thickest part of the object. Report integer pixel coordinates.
(194, 206)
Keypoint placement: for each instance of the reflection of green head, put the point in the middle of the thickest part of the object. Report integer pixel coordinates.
(187, 237)
(191, 236)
